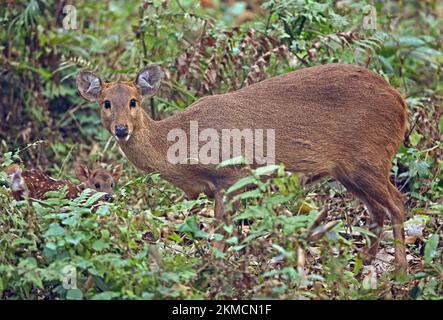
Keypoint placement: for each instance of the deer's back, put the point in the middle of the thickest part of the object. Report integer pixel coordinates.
(321, 116)
(335, 106)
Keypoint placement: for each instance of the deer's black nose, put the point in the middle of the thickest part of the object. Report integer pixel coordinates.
(121, 130)
(107, 197)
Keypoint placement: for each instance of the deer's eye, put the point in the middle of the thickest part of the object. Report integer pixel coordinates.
(97, 185)
(133, 103)
(107, 104)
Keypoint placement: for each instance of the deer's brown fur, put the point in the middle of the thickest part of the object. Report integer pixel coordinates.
(336, 120)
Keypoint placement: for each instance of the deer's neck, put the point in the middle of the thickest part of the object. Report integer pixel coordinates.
(146, 148)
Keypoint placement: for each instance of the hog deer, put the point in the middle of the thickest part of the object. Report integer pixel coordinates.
(336, 120)
(35, 183)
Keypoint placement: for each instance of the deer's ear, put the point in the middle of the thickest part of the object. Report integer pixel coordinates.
(116, 172)
(82, 173)
(148, 80)
(89, 85)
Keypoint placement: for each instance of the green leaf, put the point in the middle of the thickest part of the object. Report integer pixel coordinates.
(410, 41)
(99, 245)
(105, 234)
(8, 159)
(358, 264)
(191, 227)
(94, 198)
(35, 279)
(54, 230)
(71, 221)
(229, 228)
(103, 210)
(20, 241)
(74, 294)
(251, 194)
(415, 138)
(241, 183)
(250, 212)
(232, 162)
(218, 254)
(51, 246)
(175, 237)
(74, 238)
(107, 295)
(218, 237)
(238, 247)
(267, 170)
(416, 292)
(232, 240)
(431, 248)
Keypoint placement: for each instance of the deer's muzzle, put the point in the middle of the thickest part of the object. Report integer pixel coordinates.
(121, 131)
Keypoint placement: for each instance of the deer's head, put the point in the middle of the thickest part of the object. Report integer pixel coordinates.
(120, 101)
(99, 179)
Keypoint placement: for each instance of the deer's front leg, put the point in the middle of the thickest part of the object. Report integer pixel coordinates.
(220, 209)
(220, 213)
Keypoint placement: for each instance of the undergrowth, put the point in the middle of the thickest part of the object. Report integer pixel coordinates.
(153, 243)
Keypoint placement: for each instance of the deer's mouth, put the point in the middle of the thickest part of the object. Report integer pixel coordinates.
(123, 139)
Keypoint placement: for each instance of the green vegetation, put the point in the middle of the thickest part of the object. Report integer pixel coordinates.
(152, 243)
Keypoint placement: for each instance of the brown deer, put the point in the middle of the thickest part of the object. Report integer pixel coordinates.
(336, 120)
(34, 183)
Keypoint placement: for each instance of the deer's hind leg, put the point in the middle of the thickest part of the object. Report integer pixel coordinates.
(391, 201)
(376, 211)
(373, 187)
(377, 214)
(397, 220)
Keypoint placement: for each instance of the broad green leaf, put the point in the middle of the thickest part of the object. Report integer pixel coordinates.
(105, 234)
(232, 162)
(267, 170)
(51, 246)
(99, 245)
(74, 294)
(218, 237)
(103, 210)
(71, 221)
(251, 194)
(20, 241)
(431, 248)
(232, 240)
(35, 279)
(243, 182)
(358, 264)
(75, 238)
(229, 228)
(191, 227)
(250, 212)
(94, 198)
(175, 237)
(415, 138)
(54, 230)
(238, 247)
(410, 41)
(107, 295)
